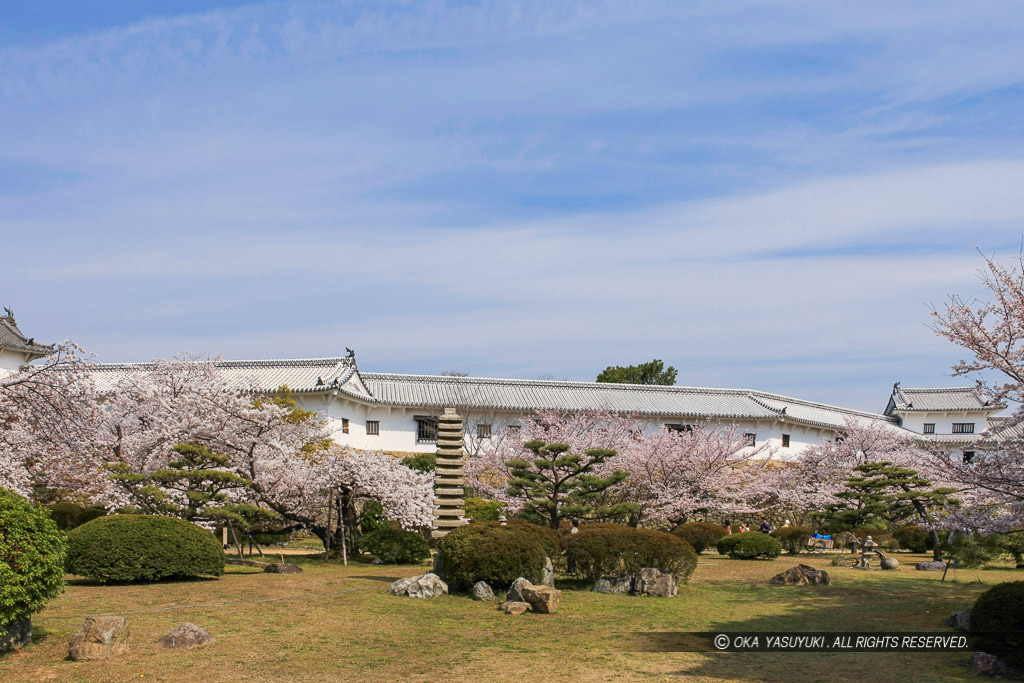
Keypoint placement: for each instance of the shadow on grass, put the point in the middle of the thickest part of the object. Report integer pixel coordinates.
(382, 579)
(84, 581)
(867, 606)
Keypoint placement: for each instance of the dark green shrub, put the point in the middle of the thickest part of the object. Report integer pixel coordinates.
(421, 462)
(548, 537)
(793, 538)
(71, 515)
(143, 548)
(372, 517)
(749, 546)
(997, 622)
(1013, 546)
(493, 553)
(32, 553)
(482, 510)
(877, 535)
(913, 538)
(395, 546)
(609, 550)
(700, 535)
(842, 540)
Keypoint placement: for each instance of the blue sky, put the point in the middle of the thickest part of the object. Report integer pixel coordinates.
(764, 195)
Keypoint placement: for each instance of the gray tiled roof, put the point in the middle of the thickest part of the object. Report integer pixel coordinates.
(302, 375)
(12, 338)
(939, 399)
(433, 391)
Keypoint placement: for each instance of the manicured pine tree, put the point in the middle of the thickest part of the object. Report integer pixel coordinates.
(557, 483)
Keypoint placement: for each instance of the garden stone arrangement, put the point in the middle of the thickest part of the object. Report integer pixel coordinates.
(524, 596)
(649, 581)
(801, 575)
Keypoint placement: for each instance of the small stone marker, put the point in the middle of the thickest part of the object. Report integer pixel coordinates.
(543, 599)
(889, 563)
(99, 638)
(801, 575)
(423, 586)
(17, 636)
(653, 581)
(933, 566)
(515, 591)
(615, 585)
(960, 620)
(514, 607)
(549, 572)
(481, 591)
(186, 637)
(282, 568)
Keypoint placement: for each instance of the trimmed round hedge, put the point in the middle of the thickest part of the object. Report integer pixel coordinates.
(493, 553)
(700, 535)
(612, 550)
(997, 622)
(32, 552)
(793, 538)
(749, 546)
(143, 548)
(395, 546)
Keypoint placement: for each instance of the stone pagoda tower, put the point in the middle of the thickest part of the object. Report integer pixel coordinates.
(449, 481)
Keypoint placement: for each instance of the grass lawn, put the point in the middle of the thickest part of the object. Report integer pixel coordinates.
(369, 635)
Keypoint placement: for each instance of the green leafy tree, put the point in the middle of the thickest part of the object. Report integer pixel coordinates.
(881, 493)
(654, 372)
(557, 483)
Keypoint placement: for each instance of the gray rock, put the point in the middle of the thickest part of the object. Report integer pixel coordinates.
(423, 586)
(438, 566)
(515, 591)
(481, 591)
(99, 638)
(933, 566)
(17, 636)
(616, 585)
(960, 620)
(653, 581)
(282, 568)
(984, 664)
(801, 575)
(186, 637)
(514, 607)
(549, 572)
(889, 563)
(377, 560)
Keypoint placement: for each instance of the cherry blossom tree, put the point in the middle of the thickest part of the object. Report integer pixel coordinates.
(992, 330)
(675, 474)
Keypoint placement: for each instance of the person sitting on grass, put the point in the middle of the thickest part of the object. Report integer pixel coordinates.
(765, 527)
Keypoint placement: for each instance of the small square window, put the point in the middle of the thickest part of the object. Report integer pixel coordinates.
(679, 428)
(514, 429)
(929, 427)
(373, 427)
(963, 427)
(785, 440)
(483, 431)
(426, 430)
(344, 425)
(750, 439)
(968, 457)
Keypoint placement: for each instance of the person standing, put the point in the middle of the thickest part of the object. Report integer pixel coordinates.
(728, 528)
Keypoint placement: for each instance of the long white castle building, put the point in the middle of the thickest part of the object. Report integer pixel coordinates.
(398, 413)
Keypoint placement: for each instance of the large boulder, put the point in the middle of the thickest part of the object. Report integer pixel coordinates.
(17, 636)
(514, 607)
(801, 575)
(282, 568)
(652, 581)
(99, 638)
(186, 637)
(543, 599)
(933, 566)
(616, 585)
(515, 590)
(423, 586)
(482, 591)
(960, 620)
(549, 572)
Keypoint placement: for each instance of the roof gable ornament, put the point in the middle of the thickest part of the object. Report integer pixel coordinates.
(9, 314)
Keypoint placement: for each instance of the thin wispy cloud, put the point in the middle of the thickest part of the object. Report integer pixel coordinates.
(762, 194)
